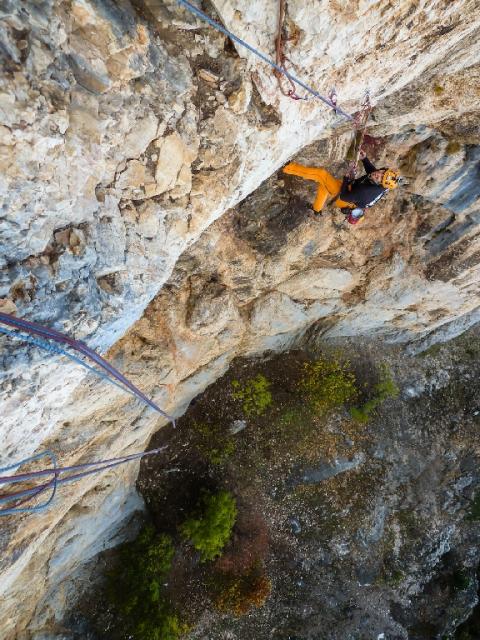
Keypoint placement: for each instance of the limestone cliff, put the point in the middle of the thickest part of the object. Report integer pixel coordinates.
(141, 213)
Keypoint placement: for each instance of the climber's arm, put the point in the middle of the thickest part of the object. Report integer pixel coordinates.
(368, 166)
(345, 190)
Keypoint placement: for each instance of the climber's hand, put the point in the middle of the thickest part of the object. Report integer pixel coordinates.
(363, 155)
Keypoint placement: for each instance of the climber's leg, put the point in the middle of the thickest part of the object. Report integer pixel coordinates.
(328, 186)
(321, 197)
(309, 173)
(342, 204)
(332, 185)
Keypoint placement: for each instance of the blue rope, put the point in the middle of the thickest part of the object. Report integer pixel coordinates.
(32, 493)
(59, 351)
(203, 16)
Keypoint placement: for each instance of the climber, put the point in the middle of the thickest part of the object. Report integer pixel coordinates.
(352, 196)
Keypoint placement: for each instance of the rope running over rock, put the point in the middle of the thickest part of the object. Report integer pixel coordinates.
(203, 16)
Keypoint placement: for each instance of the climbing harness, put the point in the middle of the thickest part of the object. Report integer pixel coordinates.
(20, 498)
(114, 376)
(360, 127)
(203, 16)
(281, 58)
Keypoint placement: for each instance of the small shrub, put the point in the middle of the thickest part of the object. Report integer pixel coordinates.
(328, 384)
(136, 590)
(240, 593)
(254, 394)
(384, 389)
(213, 443)
(212, 529)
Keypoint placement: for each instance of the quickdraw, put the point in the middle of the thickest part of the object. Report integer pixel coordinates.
(281, 58)
(360, 122)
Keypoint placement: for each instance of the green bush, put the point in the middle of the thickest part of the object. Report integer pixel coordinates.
(135, 587)
(328, 383)
(385, 388)
(210, 531)
(255, 395)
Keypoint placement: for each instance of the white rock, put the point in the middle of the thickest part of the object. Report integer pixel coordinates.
(142, 133)
(276, 313)
(317, 284)
(172, 155)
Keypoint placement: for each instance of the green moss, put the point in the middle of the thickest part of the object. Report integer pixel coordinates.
(471, 348)
(211, 529)
(328, 384)
(136, 588)
(433, 350)
(254, 394)
(408, 522)
(296, 418)
(391, 577)
(213, 443)
(384, 389)
(438, 90)
(289, 417)
(474, 513)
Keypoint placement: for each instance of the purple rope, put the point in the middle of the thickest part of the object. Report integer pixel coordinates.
(39, 330)
(100, 465)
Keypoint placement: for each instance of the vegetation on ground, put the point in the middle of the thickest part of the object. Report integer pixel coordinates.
(474, 513)
(328, 383)
(254, 394)
(384, 389)
(136, 588)
(211, 529)
(460, 580)
(293, 432)
(239, 594)
(213, 442)
(432, 351)
(251, 544)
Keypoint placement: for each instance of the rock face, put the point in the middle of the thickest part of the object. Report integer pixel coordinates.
(131, 136)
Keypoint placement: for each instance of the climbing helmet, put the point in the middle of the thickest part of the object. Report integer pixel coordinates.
(390, 179)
